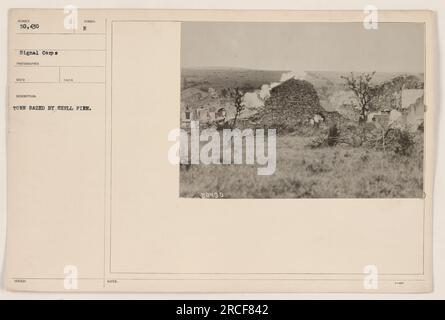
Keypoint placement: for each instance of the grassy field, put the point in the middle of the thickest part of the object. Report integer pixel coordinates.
(330, 172)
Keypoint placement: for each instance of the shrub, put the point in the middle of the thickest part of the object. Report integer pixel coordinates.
(317, 142)
(317, 167)
(364, 156)
(400, 141)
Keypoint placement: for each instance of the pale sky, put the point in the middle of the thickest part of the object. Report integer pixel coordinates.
(394, 47)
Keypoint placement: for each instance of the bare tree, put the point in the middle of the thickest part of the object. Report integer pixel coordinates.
(237, 97)
(363, 90)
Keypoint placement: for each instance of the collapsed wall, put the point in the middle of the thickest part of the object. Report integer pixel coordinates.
(291, 106)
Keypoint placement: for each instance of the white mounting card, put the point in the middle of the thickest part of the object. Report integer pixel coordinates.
(220, 151)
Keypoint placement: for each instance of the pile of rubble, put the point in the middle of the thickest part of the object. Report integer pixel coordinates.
(292, 107)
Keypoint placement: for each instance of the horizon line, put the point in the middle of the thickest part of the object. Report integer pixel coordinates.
(291, 70)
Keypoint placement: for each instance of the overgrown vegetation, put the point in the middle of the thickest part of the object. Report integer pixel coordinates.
(302, 172)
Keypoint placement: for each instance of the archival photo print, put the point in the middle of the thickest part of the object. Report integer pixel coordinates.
(301, 110)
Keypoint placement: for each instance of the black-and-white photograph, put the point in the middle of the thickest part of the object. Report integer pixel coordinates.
(302, 110)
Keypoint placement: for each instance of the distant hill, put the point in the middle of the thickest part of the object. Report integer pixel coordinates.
(223, 78)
